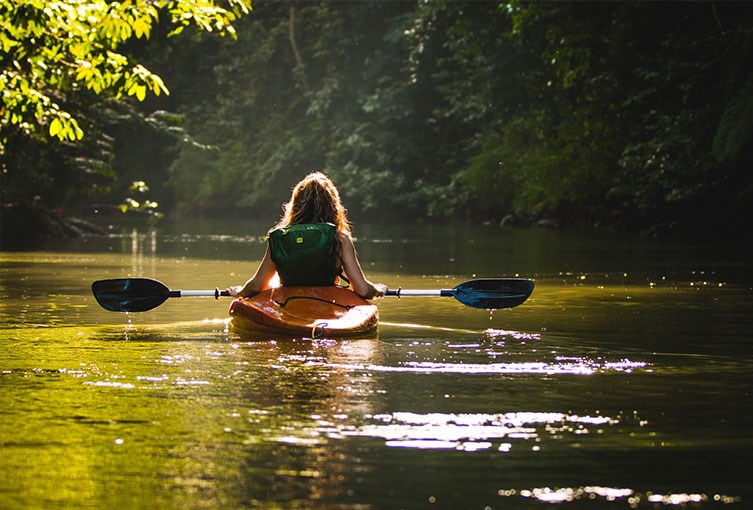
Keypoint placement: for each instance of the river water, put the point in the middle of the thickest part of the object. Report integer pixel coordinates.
(623, 382)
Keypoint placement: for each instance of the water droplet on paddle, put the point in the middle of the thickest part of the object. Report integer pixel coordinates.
(491, 313)
(128, 326)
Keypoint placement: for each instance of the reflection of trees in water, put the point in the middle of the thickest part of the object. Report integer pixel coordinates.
(143, 249)
(301, 404)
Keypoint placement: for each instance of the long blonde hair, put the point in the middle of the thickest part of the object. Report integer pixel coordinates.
(315, 199)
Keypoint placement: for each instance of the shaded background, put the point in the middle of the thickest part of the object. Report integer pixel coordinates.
(622, 115)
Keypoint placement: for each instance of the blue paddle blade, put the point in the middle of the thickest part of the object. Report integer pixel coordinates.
(492, 293)
(130, 294)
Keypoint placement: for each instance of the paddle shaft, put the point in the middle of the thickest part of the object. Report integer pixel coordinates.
(216, 293)
(419, 292)
(399, 293)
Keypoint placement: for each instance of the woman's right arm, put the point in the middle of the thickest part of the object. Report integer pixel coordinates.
(260, 281)
(354, 272)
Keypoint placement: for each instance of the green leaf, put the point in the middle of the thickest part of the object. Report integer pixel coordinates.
(141, 27)
(55, 127)
(158, 85)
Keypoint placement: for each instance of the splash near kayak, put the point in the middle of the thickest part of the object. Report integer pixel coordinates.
(314, 312)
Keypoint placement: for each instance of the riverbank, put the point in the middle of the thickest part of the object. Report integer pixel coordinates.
(24, 224)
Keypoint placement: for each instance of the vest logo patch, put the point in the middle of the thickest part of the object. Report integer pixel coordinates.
(299, 240)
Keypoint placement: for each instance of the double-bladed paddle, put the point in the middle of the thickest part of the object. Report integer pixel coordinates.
(142, 294)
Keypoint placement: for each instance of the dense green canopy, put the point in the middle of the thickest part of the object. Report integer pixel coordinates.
(618, 114)
(65, 65)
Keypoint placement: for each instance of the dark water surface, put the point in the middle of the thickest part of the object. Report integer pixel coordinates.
(624, 381)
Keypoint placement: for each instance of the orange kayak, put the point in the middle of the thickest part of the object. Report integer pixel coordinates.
(313, 312)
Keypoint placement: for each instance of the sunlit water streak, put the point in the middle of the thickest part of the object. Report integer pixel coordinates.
(563, 366)
(603, 495)
(577, 367)
(473, 432)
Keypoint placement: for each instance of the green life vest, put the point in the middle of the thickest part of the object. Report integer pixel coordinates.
(305, 254)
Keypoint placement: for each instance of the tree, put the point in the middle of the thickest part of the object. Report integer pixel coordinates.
(306, 97)
(618, 114)
(633, 112)
(53, 50)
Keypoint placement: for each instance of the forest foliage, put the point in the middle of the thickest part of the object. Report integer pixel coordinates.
(610, 114)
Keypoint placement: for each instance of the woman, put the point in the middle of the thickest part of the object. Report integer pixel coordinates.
(312, 244)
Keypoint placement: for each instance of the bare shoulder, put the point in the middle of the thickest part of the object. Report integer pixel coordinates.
(347, 248)
(345, 239)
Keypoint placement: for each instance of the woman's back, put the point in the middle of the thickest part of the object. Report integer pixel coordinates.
(305, 254)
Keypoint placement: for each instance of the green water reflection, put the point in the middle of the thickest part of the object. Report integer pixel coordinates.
(624, 382)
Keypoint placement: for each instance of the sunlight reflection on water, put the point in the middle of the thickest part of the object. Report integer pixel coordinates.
(472, 432)
(634, 499)
(564, 365)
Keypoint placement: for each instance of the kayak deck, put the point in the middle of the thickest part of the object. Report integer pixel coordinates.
(305, 311)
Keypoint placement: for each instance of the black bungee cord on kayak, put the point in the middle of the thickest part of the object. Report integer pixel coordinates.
(283, 304)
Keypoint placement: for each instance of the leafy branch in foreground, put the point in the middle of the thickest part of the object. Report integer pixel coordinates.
(52, 48)
(145, 205)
